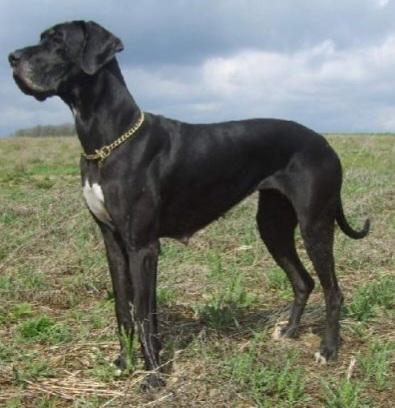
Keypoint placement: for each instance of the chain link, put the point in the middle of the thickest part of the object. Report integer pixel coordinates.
(102, 153)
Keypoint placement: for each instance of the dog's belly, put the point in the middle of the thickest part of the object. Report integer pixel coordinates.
(184, 215)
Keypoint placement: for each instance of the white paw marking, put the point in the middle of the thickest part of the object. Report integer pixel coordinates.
(94, 198)
(117, 372)
(277, 335)
(319, 358)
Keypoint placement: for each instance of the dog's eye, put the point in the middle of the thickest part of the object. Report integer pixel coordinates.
(57, 37)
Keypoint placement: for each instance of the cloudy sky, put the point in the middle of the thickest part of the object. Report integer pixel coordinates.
(329, 64)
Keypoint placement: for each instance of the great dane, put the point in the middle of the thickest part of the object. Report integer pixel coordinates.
(146, 176)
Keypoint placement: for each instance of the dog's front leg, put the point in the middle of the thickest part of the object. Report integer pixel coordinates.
(143, 272)
(123, 292)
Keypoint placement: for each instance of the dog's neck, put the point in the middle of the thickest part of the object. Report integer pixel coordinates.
(102, 106)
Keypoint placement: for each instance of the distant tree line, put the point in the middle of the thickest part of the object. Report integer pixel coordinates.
(67, 129)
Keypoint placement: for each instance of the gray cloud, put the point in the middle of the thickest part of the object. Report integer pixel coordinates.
(328, 64)
(324, 87)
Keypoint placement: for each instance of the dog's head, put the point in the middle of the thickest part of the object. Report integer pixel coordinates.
(64, 52)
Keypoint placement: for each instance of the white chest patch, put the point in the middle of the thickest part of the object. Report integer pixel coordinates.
(94, 198)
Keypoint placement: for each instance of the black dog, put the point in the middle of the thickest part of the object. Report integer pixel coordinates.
(165, 178)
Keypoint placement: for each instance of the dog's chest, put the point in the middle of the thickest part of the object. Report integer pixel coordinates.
(94, 198)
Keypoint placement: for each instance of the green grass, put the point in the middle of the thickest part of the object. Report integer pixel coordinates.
(17, 312)
(278, 282)
(344, 393)
(376, 364)
(218, 298)
(373, 298)
(33, 369)
(7, 352)
(228, 300)
(166, 296)
(43, 329)
(130, 346)
(278, 383)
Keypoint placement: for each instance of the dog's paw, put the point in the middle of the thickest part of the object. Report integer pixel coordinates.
(278, 330)
(324, 355)
(319, 358)
(119, 365)
(283, 329)
(153, 382)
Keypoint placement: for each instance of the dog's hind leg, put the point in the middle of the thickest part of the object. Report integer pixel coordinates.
(277, 220)
(318, 236)
(312, 182)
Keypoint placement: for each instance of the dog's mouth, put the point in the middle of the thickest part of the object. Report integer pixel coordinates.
(28, 87)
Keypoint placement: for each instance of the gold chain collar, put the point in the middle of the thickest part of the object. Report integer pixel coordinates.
(102, 153)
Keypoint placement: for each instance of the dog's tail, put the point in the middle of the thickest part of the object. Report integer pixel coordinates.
(345, 226)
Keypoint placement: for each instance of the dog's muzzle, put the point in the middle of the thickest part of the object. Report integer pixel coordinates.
(14, 58)
(22, 73)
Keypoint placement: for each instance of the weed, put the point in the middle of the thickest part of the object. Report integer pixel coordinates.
(25, 278)
(55, 170)
(6, 352)
(44, 183)
(372, 298)
(103, 370)
(129, 347)
(275, 384)
(343, 394)
(43, 329)
(8, 217)
(31, 279)
(166, 296)
(278, 281)
(14, 403)
(95, 318)
(20, 310)
(6, 282)
(91, 402)
(17, 312)
(217, 314)
(48, 402)
(215, 264)
(376, 365)
(172, 253)
(32, 370)
(224, 306)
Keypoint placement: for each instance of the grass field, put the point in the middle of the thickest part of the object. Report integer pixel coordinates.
(220, 298)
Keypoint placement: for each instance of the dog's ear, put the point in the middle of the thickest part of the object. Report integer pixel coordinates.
(99, 48)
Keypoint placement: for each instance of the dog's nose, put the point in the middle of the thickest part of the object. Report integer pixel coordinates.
(14, 58)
